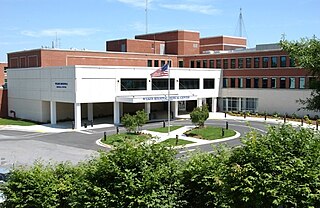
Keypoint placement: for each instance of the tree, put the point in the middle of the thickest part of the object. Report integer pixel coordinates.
(306, 54)
(133, 122)
(199, 115)
(278, 169)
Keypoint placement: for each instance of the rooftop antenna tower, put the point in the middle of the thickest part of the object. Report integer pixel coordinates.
(146, 10)
(240, 25)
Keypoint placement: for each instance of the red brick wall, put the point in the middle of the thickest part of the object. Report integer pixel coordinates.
(2, 75)
(23, 59)
(3, 103)
(222, 43)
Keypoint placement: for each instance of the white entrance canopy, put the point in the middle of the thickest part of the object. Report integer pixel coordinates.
(153, 98)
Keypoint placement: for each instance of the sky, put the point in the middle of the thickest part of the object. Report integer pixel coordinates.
(87, 24)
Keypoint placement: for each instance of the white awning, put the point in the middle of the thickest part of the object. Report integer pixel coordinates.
(153, 98)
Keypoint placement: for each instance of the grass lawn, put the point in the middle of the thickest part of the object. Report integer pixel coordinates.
(4, 121)
(165, 129)
(210, 133)
(172, 142)
(120, 138)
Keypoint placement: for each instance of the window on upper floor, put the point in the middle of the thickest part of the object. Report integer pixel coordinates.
(225, 82)
(283, 61)
(204, 63)
(208, 83)
(156, 63)
(265, 62)
(163, 62)
(133, 84)
(189, 84)
(191, 64)
(282, 82)
(292, 82)
(240, 82)
(248, 62)
(225, 63)
(180, 64)
(248, 82)
(232, 82)
(149, 63)
(218, 64)
(240, 63)
(273, 82)
(162, 84)
(264, 82)
(256, 82)
(257, 62)
(274, 61)
(198, 63)
(233, 63)
(211, 63)
(302, 82)
(312, 83)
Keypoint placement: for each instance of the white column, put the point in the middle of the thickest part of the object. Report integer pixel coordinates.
(90, 111)
(77, 115)
(116, 113)
(199, 102)
(147, 109)
(227, 105)
(176, 109)
(214, 105)
(53, 112)
(239, 104)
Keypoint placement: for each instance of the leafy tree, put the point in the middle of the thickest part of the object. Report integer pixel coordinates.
(133, 122)
(306, 53)
(199, 115)
(280, 168)
(129, 122)
(141, 118)
(138, 176)
(203, 181)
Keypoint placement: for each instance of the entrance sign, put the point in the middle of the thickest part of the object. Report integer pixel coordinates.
(154, 98)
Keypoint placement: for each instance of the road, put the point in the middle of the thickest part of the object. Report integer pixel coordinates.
(21, 147)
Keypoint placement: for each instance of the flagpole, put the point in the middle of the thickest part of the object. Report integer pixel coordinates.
(169, 114)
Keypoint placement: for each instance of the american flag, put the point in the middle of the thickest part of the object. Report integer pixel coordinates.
(161, 72)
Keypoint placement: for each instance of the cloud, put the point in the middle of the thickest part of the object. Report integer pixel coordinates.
(59, 31)
(136, 3)
(192, 7)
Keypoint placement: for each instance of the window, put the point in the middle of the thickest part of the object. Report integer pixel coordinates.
(204, 64)
(240, 63)
(156, 63)
(232, 82)
(123, 47)
(292, 62)
(180, 64)
(274, 61)
(283, 61)
(233, 104)
(292, 82)
(312, 83)
(248, 82)
(191, 64)
(189, 84)
(302, 82)
(282, 82)
(273, 82)
(211, 63)
(208, 83)
(264, 82)
(149, 63)
(248, 62)
(218, 63)
(163, 62)
(225, 63)
(225, 83)
(133, 84)
(256, 62)
(265, 62)
(198, 63)
(256, 82)
(162, 84)
(233, 63)
(240, 82)
(251, 104)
